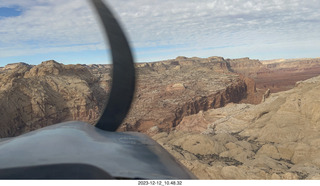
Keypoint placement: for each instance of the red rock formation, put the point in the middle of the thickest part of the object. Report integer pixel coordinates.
(170, 90)
(167, 91)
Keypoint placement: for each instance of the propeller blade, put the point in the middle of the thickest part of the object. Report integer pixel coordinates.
(123, 74)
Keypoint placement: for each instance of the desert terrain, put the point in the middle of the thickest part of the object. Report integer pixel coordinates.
(222, 118)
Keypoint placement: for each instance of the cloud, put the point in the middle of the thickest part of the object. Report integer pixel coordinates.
(162, 26)
(49, 24)
(215, 23)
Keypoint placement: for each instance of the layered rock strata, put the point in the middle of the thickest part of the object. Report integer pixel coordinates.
(169, 90)
(36, 96)
(277, 139)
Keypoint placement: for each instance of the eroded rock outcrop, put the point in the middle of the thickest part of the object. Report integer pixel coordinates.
(167, 91)
(277, 139)
(32, 97)
(37, 96)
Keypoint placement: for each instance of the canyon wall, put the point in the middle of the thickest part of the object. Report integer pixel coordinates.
(276, 139)
(32, 97)
(167, 91)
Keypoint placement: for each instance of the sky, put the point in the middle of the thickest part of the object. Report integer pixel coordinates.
(68, 31)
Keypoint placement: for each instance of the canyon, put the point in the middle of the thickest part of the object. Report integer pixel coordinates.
(222, 118)
(276, 139)
(275, 75)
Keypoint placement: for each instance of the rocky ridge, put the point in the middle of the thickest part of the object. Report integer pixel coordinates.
(37, 96)
(32, 97)
(169, 90)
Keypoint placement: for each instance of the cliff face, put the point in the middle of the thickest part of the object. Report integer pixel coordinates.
(169, 90)
(277, 139)
(36, 96)
(245, 66)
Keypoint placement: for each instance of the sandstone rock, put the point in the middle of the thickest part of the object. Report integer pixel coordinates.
(168, 91)
(275, 176)
(203, 171)
(231, 146)
(212, 85)
(175, 87)
(215, 58)
(36, 96)
(289, 176)
(301, 153)
(245, 66)
(286, 150)
(277, 139)
(193, 123)
(269, 150)
(266, 163)
(314, 177)
(238, 154)
(181, 58)
(159, 101)
(247, 145)
(305, 170)
(232, 172)
(224, 138)
(266, 95)
(198, 144)
(153, 130)
(276, 136)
